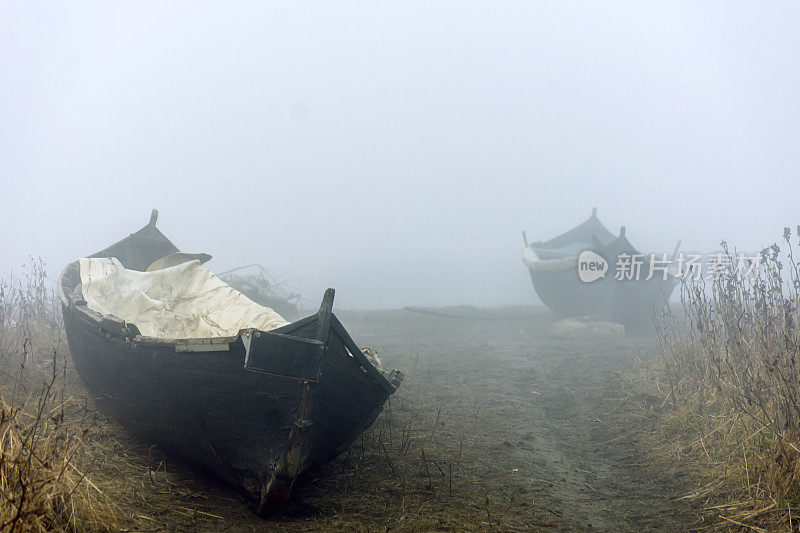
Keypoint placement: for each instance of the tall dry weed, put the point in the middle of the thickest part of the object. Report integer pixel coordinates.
(731, 357)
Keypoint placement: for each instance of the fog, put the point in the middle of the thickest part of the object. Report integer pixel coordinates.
(395, 151)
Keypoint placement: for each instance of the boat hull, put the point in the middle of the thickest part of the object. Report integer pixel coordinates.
(553, 268)
(204, 405)
(563, 292)
(208, 408)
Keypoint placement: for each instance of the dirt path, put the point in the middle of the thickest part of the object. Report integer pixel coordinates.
(556, 419)
(581, 440)
(498, 425)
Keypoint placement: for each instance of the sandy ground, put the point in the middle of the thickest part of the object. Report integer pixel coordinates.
(498, 425)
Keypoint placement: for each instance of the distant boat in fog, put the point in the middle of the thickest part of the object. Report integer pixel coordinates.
(593, 292)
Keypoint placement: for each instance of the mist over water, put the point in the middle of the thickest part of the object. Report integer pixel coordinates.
(395, 152)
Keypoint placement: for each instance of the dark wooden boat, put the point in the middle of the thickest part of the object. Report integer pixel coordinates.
(553, 267)
(257, 409)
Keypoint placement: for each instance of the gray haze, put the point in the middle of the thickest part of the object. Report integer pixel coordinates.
(395, 151)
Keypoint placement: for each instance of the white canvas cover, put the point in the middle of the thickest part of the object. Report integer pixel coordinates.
(532, 260)
(180, 302)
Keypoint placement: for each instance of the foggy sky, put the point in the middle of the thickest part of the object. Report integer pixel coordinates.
(394, 151)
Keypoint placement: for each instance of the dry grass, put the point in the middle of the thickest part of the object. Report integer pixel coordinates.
(43, 473)
(728, 384)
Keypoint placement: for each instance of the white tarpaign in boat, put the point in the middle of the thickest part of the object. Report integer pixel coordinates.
(179, 302)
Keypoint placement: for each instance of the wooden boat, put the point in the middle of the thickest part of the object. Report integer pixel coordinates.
(553, 267)
(257, 409)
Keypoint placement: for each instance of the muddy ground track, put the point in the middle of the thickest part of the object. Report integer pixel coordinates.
(558, 420)
(591, 473)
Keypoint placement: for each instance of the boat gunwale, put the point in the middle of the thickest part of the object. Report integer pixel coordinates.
(128, 333)
(569, 236)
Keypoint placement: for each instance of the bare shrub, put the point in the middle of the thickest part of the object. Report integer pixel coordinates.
(731, 360)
